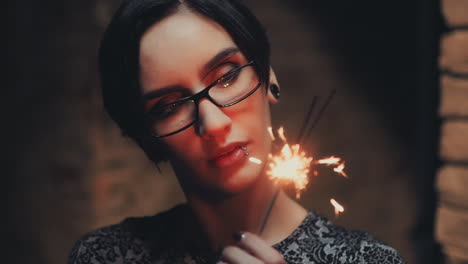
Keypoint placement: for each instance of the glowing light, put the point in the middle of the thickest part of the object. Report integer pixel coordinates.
(338, 208)
(281, 134)
(334, 161)
(291, 165)
(340, 169)
(329, 161)
(255, 160)
(270, 131)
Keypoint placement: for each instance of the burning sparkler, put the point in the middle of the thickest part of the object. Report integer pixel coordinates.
(292, 166)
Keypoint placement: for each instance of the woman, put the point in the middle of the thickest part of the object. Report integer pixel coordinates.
(190, 81)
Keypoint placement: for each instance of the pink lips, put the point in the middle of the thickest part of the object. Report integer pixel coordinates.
(227, 156)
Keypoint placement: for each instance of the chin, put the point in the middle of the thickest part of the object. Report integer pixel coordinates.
(233, 181)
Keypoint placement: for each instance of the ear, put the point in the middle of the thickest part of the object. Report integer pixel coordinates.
(273, 93)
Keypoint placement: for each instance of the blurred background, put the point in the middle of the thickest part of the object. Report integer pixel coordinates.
(399, 119)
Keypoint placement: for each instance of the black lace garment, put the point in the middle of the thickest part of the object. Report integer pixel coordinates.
(159, 239)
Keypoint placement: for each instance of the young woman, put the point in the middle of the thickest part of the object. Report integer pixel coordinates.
(190, 81)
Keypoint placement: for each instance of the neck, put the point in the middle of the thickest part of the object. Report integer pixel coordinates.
(245, 211)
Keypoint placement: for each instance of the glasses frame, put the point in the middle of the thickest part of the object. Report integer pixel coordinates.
(205, 94)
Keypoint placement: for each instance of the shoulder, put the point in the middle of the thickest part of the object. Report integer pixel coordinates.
(319, 240)
(353, 246)
(112, 244)
(128, 241)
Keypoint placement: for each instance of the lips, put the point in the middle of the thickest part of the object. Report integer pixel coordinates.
(228, 155)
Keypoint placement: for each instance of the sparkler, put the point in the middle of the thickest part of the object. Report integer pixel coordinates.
(292, 165)
(308, 118)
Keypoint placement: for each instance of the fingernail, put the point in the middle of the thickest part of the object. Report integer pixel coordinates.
(238, 236)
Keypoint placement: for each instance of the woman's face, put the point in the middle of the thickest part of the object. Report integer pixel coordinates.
(180, 56)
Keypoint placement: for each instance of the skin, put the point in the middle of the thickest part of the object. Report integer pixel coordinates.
(224, 200)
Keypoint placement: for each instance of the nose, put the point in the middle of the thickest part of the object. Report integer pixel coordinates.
(213, 123)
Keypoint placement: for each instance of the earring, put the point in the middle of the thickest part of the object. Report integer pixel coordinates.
(275, 91)
(246, 152)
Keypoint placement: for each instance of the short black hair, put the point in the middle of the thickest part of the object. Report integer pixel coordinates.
(119, 55)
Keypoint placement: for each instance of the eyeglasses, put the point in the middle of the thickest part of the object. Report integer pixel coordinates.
(174, 115)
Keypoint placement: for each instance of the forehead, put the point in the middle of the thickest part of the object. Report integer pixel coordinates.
(180, 43)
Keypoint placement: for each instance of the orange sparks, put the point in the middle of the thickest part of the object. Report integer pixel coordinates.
(338, 208)
(340, 169)
(329, 161)
(281, 134)
(255, 160)
(290, 165)
(270, 131)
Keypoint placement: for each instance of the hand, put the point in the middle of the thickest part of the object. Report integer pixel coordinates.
(250, 249)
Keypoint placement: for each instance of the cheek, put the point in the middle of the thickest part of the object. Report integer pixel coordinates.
(184, 146)
(254, 120)
(257, 113)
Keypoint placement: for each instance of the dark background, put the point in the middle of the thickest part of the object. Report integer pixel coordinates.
(69, 171)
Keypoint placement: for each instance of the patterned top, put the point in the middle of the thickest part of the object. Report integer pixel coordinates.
(159, 239)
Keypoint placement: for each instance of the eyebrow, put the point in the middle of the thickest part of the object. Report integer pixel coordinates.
(162, 91)
(223, 54)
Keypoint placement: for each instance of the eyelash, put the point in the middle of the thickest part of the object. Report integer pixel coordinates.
(165, 100)
(232, 64)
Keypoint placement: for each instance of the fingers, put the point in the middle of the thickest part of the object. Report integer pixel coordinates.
(251, 249)
(259, 248)
(235, 255)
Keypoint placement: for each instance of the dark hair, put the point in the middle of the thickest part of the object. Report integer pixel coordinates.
(119, 53)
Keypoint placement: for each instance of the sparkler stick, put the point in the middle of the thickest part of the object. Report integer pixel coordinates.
(267, 214)
(307, 119)
(275, 195)
(320, 113)
(299, 158)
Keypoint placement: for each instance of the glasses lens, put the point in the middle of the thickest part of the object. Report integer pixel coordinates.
(232, 88)
(173, 117)
(235, 86)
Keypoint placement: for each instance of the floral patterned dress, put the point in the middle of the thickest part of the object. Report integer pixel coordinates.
(160, 239)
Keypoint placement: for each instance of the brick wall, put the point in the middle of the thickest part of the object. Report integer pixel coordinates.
(452, 179)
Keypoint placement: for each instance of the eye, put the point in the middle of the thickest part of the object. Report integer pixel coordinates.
(218, 74)
(166, 111)
(228, 80)
(164, 103)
